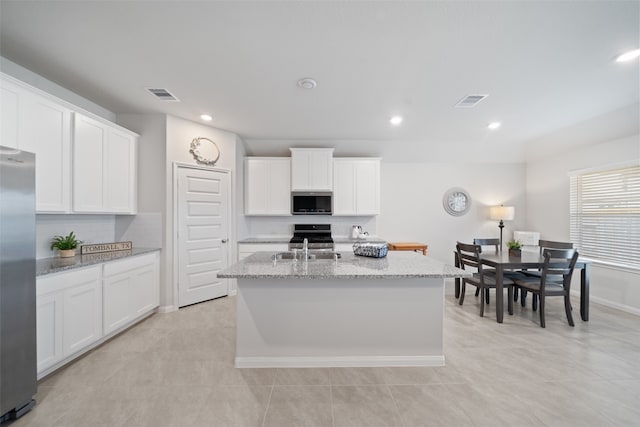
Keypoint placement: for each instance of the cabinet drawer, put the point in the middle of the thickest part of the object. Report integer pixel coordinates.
(122, 266)
(66, 279)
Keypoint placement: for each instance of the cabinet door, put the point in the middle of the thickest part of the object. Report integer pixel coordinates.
(344, 198)
(312, 169)
(130, 289)
(82, 315)
(268, 186)
(367, 189)
(255, 187)
(46, 131)
(90, 138)
(49, 320)
(145, 283)
(120, 176)
(10, 98)
(117, 308)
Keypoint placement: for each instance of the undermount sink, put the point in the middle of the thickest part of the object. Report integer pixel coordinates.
(311, 256)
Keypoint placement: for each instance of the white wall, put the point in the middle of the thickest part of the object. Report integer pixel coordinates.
(87, 228)
(412, 209)
(547, 189)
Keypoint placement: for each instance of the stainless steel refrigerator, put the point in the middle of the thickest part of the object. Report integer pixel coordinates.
(18, 381)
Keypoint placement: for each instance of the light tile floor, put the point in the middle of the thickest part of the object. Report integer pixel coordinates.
(177, 369)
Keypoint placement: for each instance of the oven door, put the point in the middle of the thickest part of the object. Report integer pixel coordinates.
(311, 203)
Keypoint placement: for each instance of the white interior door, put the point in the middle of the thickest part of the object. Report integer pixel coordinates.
(203, 230)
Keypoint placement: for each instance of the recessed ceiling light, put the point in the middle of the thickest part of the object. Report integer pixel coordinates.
(206, 117)
(307, 83)
(395, 120)
(628, 56)
(494, 125)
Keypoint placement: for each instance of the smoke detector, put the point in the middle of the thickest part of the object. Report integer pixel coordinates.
(307, 83)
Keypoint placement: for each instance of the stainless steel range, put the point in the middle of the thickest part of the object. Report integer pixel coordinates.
(318, 236)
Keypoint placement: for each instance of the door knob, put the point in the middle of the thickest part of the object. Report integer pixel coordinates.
(224, 240)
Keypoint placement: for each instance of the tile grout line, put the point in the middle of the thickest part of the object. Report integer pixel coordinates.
(266, 409)
(333, 418)
(396, 405)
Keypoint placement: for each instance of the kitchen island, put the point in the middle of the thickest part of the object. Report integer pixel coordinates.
(353, 311)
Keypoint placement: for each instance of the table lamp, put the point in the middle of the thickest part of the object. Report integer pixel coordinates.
(502, 213)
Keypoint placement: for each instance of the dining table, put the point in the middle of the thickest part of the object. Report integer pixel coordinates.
(502, 262)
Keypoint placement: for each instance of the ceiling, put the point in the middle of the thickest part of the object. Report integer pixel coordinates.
(545, 65)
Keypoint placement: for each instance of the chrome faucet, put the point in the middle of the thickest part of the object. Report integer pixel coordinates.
(305, 249)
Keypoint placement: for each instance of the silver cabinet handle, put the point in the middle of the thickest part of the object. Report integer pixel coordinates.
(224, 240)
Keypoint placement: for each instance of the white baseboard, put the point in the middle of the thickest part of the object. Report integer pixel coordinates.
(337, 361)
(233, 293)
(622, 307)
(166, 308)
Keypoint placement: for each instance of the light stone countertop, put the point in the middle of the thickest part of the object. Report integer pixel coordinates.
(56, 264)
(395, 265)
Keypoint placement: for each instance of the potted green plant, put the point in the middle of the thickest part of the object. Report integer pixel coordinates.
(66, 245)
(515, 248)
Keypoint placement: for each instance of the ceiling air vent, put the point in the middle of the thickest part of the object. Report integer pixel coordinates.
(163, 94)
(470, 101)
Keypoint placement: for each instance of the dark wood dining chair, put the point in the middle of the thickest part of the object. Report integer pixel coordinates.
(495, 243)
(469, 256)
(554, 280)
(543, 244)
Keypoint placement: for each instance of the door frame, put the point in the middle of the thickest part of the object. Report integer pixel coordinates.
(174, 225)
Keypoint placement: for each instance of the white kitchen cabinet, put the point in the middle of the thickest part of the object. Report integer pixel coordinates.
(104, 168)
(356, 188)
(68, 313)
(267, 189)
(10, 95)
(246, 249)
(311, 169)
(38, 124)
(130, 290)
(49, 329)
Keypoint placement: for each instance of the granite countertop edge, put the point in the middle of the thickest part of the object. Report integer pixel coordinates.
(399, 265)
(53, 265)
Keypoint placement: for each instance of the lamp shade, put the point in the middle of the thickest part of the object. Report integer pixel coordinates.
(506, 213)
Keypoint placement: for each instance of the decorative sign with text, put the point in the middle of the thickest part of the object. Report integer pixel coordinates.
(105, 247)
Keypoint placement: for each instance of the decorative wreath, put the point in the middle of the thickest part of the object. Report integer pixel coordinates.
(195, 151)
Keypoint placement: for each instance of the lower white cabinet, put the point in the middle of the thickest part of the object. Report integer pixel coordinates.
(130, 289)
(69, 314)
(78, 309)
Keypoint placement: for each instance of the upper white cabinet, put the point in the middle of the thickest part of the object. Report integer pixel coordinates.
(267, 188)
(311, 169)
(104, 168)
(103, 176)
(356, 188)
(35, 123)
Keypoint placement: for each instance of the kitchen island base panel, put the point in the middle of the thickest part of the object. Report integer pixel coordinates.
(340, 322)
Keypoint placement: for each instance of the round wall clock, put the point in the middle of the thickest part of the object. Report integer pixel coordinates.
(205, 151)
(456, 201)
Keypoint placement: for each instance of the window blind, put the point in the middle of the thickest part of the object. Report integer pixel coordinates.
(605, 215)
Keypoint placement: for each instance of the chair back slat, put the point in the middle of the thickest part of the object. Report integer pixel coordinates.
(468, 255)
(487, 242)
(550, 244)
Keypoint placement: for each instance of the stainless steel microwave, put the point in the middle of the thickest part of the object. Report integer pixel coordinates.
(311, 203)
